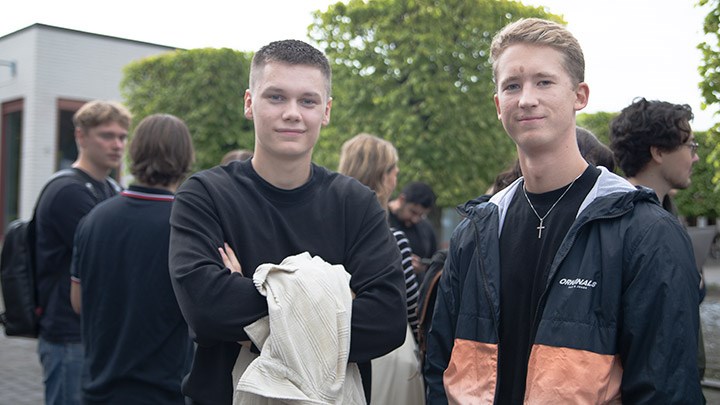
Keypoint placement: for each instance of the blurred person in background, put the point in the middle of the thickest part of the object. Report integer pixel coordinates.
(408, 212)
(136, 342)
(396, 378)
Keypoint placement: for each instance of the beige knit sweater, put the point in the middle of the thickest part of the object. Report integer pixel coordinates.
(304, 340)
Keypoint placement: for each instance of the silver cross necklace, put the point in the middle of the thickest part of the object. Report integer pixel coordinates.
(542, 218)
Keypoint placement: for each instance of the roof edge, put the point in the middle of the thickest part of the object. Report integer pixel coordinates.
(70, 30)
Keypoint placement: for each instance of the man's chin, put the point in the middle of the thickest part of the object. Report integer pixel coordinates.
(113, 165)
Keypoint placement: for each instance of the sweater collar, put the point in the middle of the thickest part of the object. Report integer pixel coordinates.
(147, 193)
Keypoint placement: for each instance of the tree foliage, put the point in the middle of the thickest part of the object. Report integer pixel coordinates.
(598, 123)
(204, 87)
(710, 85)
(417, 73)
(700, 199)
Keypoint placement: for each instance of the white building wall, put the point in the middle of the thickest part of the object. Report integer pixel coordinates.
(53, 64)
(20, 49)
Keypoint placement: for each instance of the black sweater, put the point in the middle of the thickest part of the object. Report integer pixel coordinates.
(331, 216)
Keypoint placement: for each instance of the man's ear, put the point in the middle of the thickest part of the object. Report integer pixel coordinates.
(248, 105)
(656, 154)
(80, 136)
(328, 107)
(582, 95)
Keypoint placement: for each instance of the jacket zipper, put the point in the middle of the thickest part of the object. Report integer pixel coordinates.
(476, 236)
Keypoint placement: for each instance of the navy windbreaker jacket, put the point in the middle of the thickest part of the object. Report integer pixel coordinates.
(617, 322)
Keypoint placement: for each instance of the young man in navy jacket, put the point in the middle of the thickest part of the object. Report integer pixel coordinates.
(570, 285)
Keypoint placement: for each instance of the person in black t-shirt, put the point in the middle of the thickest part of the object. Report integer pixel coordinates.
(136, 342)
(569, 285)
(274, 205)
(101, 130)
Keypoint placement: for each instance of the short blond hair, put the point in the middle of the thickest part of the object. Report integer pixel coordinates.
(369, 159)
(98, 112)
(536, 31)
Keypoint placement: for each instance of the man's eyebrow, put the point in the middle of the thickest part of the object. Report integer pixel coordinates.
(311, 94)
(508, 79)
(539, 75)
(275, 89)
(543, 75)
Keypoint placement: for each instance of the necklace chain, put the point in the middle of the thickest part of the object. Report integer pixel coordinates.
(541, 227)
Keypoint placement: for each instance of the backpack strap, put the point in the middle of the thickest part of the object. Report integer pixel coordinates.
(423, 311)
(432, 285)
(59, 174)
(114, 185)
(71, 172)
(88, 183)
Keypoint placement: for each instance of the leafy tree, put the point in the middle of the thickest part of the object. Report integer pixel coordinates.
(710, 72)
(598, 123)
(700, 199)
(417, 73)
(204, 87)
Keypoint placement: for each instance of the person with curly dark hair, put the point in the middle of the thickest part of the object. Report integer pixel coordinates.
(654, 145)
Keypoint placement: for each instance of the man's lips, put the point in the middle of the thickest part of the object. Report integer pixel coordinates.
(529, 119)
(290, 131)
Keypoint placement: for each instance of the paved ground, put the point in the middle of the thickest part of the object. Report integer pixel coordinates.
(21, 374)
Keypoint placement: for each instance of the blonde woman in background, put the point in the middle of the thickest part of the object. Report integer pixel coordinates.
(396, 377)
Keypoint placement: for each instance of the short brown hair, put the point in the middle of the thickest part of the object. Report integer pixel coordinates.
(291, 52)
(536, 31)
(99, 112)
(161, 150)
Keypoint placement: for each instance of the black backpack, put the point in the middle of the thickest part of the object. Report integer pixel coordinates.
(17, 274)
(17, 269)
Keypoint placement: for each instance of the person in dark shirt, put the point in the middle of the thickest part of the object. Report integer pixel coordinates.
(136, 342)
(274, 205)
(408, 213)
(101, 129)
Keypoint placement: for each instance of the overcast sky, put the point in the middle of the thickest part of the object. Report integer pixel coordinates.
(632, 47)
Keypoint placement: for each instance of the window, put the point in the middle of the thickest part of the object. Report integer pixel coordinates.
(67, 151)
(10, 160)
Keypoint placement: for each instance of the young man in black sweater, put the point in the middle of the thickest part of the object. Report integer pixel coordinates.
(275, 205)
